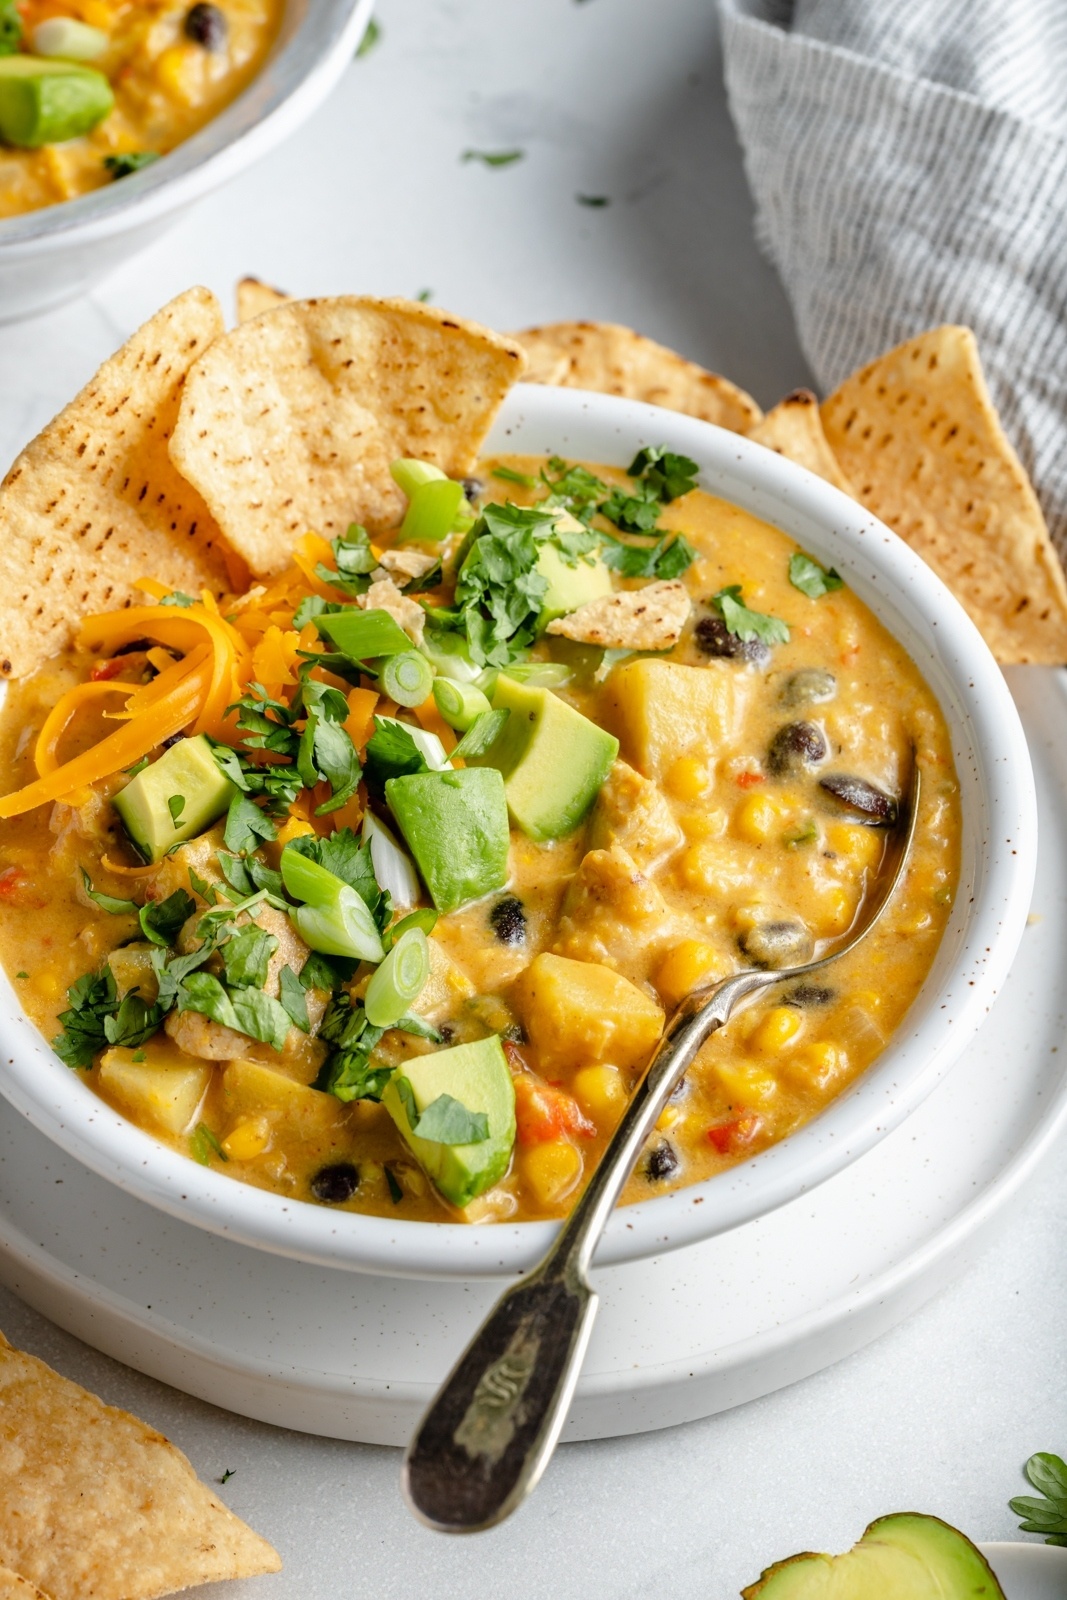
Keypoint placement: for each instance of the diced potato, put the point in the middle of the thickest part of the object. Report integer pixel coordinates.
(164, 1091)
(575, 1012)
(250, 1089)
(131, 968)
(661, 710)
(445, 988)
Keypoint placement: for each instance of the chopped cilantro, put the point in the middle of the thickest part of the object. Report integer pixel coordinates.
(247, 1011)
(354, 561)
(663, 473)
(10, 27)
(326, 972)
(139, 1056)
(494, 158)
(391, 753)
(246, 957)
(746, 624)
(499, 590)
(396, 1193)
(811, 579)
(445, 1120)
(349, 1073)
(246, 825)
(294, 999)
(91, 999)
(22, 974)
(161, 920)
(175, 805)
(138, 766)
(201, 887)
(122, 166)
(802, 836)
(133, 1022)
(108, 902)
(424, 296)
(203, 1144)
(509, 475)
(669, 557)
(371, 37)
(343, 854)
(595, 202)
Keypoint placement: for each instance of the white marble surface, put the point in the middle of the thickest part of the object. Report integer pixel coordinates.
(621, 98)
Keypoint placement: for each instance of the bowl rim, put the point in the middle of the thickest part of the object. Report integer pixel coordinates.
(975, 955)
(299, 72)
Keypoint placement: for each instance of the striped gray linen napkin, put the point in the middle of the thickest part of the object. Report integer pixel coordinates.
(909, 167)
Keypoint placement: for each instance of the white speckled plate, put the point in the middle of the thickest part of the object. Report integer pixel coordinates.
(358, 1357)
(1029, 1571)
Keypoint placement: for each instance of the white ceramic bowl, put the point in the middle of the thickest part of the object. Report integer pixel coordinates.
(998, 860)
(49, 256)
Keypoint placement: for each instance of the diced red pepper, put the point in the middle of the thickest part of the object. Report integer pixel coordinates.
(728, 1137)
(17, 889)
(105, 670)
(749, 780)
(543, 1112)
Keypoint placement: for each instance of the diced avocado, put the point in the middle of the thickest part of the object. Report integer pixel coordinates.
(477, 1076)
(46, 102)
(175, 798)
(165, 1089)
(552, 758)
(907, 1556)
(456, 827)
(569, 587)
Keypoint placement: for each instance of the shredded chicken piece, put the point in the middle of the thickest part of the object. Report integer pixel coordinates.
(651, 618)
(385, 596)
(407, 564)
(632, 812)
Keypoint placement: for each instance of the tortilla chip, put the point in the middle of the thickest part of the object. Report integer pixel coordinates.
(94, 503)
(794, 428)
(649, 618)
(94, 1505)
(917, 434)
(616, 360)
(254, 296)
(12, 1587)
(290, 422)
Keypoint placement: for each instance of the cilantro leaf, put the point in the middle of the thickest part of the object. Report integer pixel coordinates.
(236, 873)
(201, 887)
(664, 474)
(246, 825)
(499, 590)
(326, 972)
(91, 998)
(746, 624)
(574, 489)
(391, 753)
(1047, 1515)
(348, 1072)
(121, 166)
(354, 561)
(161, 920)
(349, 859)
(246, 957)
(445, 1120)
(294, 999)
(247, 1011)
(669, 557)
(494, 158)
(175, 805)
(108, 902)
(133, 1022)
(632, 512)
(203, 1144)
(176, 597)
(10, 28)
(811, 579)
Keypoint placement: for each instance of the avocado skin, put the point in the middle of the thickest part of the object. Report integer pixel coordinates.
(456, 826)
(904, 1556)
(477, 1075)
(46, 102)
(553, 759)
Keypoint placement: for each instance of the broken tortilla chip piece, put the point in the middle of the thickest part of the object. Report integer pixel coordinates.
(94, 503)
(794, 429)
(917, 434)
(94, 1505)
(254, 296)
(291, 421)
(651, 618)
(12, 1587)
(615, 360)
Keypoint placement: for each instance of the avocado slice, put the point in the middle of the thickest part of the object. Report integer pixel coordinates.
(148, 806)
(476, 1075)
(456, 827)
(47, 101)
(569, 587)
(907, 1555)
(552, 758)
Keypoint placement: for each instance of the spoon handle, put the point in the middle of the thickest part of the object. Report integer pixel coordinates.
(494, 1424)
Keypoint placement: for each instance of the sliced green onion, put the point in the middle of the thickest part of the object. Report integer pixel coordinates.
(435, 510)
(334, 919)
(407, 678)
(68, 40)
(363, 635)
(541, 674)
(447, 654)
(425, 918)
(459, 703)
(394, 869)
(483, 732)
(509, 475)
(399, 980)
(409, 475)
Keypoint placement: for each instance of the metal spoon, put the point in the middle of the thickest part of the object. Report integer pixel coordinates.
(489, 1433)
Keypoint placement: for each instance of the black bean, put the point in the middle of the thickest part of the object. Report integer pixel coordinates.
(447, 1032)
(508, 920)
(798, 744)
(206, 25)
(473, 488)
(661, 1163)
(809, 686)
(134, 647)
(810, 994)
(713, 638)
(876, 808)
(778, 944)
(335, 1184)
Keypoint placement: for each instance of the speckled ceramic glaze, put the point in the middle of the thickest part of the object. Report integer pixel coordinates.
(998, 861)
(48, 256)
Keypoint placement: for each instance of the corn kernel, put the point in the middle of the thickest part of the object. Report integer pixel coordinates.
(836, 911)
(247, 1139)
(47, 985)
(777, 1029)
(745, 1083)
(371, 1172)
(690, 964)
(667, 1118)
(552, 1170)
(295, 828)
(859, 845)
(175, 72)
(701, 867)
(817, 1063)
(687, 778)
(757, 818)
(600, 1091)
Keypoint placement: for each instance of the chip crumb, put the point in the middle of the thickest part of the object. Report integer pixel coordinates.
(385, 596)
(407, 564)
(651, 618)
